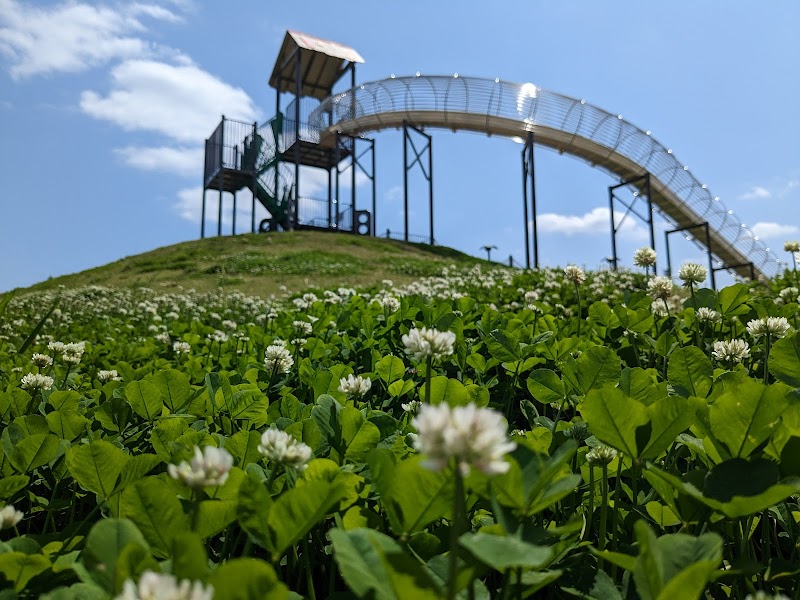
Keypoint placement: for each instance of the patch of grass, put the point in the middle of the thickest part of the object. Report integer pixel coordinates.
(261, 263)
(416, 268)
(291, 263)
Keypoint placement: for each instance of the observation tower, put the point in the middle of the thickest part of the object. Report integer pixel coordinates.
(271, 159)
(325, 128)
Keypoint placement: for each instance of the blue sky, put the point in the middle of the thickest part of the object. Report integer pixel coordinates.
(104, 107)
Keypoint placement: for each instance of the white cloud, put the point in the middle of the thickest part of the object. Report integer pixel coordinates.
(394, 193)
(182, 102)
(184, 161)
(773, 231)
(73, 36)
(595, 222)
(756, 192)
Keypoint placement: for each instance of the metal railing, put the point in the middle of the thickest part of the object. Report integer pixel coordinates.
(315, 212)
(227, 146)
(412, 237)
(570, 123)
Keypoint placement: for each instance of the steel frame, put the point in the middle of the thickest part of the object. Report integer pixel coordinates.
(529, 175)
(408, 140)
(569, 125)
(221, 187)
(357, 161)
(643, 183)
(707, 230)
(298, 77)
(748, 264)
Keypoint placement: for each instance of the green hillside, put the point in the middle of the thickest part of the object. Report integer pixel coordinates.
(259, 264)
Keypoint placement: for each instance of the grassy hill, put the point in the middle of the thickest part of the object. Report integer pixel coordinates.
(259, 264)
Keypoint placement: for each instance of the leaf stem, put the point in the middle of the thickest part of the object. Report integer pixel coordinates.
(428, 366)
(455, 531)
(603, 508)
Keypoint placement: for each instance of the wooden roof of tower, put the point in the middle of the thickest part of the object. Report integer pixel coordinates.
(321, 64)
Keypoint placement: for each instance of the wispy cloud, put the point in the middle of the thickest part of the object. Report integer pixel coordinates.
(774, 231)
(595, 222)
(74, 36)
(756, 192)
(182, 102)
(179, 160)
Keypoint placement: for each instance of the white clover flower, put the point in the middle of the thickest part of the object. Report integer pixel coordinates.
(41, 360)
(75, 348)
(411, 407)
(111, 375)
(35, 381)
(355, 386)
(208, 467)
(390, 303)
(422, 343)
(575, 274)
(791, 246)
(659, 288)
(162, 337)
(71, 359)
(218, 336)
(56, 347)
(162, 586)
(601, 455)
(776, 327)
(181, 347)
(10, 516)
(644, 257)
(282, 449)
(691, 273)
(472, 436)
(302, 327)
(707, 314)
(762, 595)
(731, 351)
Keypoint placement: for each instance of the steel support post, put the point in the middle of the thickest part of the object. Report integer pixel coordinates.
(330, 196)
(374, 194)
(405, 181)
(219, 210)
(298, 91)
(669, 257)
(353, 164)
(643, 183)
(337, 155)
(409, 141)
(707, 233)
(430, 187)
(525, 209)
(613, 228)
(707, 230)
(650, 218)
(203, 215)
(221, 174)
(529, 176)
(233, 228)
(254, 182)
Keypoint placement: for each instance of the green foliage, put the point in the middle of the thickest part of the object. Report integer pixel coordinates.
(700, 499)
